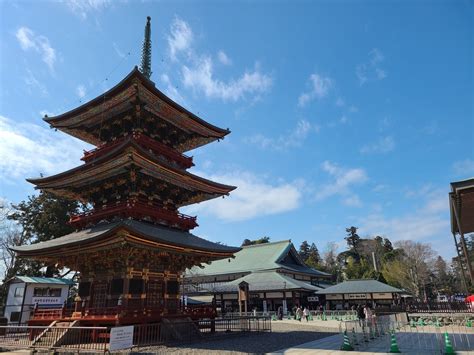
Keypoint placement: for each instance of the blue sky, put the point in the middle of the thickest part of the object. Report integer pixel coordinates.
(342, 113)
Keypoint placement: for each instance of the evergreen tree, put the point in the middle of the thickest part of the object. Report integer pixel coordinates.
(314, 259)
(352, 238)
(304, 250)
(41, 218)
(262, 240)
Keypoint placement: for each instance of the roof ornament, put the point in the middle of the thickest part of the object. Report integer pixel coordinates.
(145, 67)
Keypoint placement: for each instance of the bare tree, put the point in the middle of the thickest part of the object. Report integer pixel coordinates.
(412, 269)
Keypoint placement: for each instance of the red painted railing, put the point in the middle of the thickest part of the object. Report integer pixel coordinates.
(146, 142)
(135, 209)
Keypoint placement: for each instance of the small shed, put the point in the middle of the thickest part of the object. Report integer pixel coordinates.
(354, 292)
(24, 292)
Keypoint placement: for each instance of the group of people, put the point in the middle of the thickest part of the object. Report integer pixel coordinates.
(297, 311)
(365, 315)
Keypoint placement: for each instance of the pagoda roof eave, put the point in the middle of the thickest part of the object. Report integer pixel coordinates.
(149, 232)
(56, 120)
(114, 153)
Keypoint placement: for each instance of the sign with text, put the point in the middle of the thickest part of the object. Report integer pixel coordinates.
(46, 300)
(356, 296)
(121, 338)
(313, 299)
(382, 296)
(334, 297)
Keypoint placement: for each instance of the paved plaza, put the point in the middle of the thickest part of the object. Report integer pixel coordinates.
(408, 343)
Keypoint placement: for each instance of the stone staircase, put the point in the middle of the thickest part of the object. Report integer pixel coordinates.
(52, 336)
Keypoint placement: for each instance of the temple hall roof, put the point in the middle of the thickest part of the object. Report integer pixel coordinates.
(266, 281)
(260, 257)
(149, 231)
(359, 286)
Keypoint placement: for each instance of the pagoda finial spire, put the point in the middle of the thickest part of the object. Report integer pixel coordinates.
(145, 67)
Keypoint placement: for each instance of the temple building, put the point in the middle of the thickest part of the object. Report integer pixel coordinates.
(132, 246)
(275, 274)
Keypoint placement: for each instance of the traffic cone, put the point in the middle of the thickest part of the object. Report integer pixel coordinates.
(393, 344)
(469, 323)
(354, 337)
(324, 316)
(448, 347)
(437, 323)
(346, 345)
(274, 317)
(412, 323)
(289, 316)
(310, 317)
(421, 322)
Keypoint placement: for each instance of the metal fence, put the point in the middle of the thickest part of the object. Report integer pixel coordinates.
(410, 336)
(51, 337)
(97, 339)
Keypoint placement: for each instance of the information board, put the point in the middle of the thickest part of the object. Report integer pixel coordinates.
(121, 338)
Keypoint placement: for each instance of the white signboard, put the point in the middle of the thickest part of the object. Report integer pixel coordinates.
(121, 338)
(46, 300)
(333, 297)
(313, 299)
(356, 296)
(382, 296)
(265, 309)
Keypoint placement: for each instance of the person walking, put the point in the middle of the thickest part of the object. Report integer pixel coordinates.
(299, 313)
(306, 313)
(361, 315)
(369, 315)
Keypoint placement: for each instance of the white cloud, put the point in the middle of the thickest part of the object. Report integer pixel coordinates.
(200, 77)
(171, 90)
(343, 180)
(197, 70)
(28, 150)
(353, 108)
(253, 198)
(352, 201)
(118, 51)
(383, 145)
(430, 221)
(464, 168)
(294, 138)
(371, 70)
(28, 40)
(223, 58)
(83, 8)
(320, 87)
(81, 91)
(33, 85)
(180, 38)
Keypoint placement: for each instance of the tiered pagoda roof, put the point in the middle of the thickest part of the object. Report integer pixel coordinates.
(93, 121)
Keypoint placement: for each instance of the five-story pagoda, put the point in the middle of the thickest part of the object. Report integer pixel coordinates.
(131, 248)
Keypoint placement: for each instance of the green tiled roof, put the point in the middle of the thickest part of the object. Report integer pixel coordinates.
(44, 280)
(359, 286)
(259, 257)
(266, 281)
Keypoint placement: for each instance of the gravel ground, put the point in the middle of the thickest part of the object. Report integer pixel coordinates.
(283, 335)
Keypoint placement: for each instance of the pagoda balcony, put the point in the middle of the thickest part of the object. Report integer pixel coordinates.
(158, 148)
(135, 209)
(119, 314)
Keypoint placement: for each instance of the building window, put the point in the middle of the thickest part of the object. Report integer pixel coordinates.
(19, 291)
(46, 292)
(14, 316)
(54, 292)
(116, 287)
(135, 286)
(172, 287)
